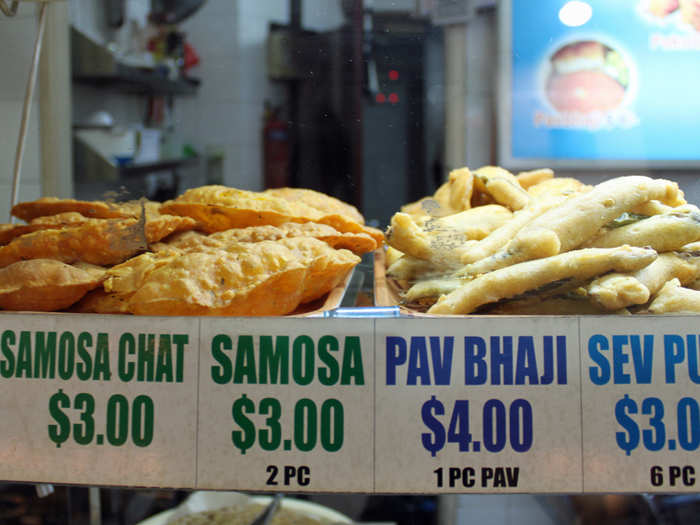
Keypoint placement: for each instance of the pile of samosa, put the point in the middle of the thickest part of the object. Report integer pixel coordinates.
(213, 250)
(491, 242)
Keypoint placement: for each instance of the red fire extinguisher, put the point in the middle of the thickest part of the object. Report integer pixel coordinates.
(276, 149)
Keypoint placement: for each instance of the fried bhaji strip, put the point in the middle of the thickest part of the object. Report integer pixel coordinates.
(577, 220)
(438, 238)
(44, 285)
(519, 278)
(617, 290)
(409, 268)
(451, 197)
(532, 177)
(673, 298)
(501, 236)
(557, 186)
(664, 233)
(502, 186)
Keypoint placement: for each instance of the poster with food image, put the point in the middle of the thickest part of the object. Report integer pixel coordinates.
(684, 14)
(618, 89)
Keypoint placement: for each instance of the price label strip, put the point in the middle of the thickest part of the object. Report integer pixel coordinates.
(90, 400)
(477, 405)
(641, 415)
(286, 405)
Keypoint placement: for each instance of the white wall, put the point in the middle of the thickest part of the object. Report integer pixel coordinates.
(17, 36)
(227, 112)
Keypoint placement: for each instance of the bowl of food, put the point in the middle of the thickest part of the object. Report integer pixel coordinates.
(236, 508)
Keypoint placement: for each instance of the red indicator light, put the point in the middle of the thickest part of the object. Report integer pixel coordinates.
(393, 98)
(380, 98)
(393, 75)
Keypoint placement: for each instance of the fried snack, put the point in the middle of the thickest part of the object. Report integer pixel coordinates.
(263, 278)
(451, 197)
(664, 233)
(11, 231)
(44, 285)
(438, 238)
(327, 267)
(429, 290)
(320, 201)
(557, 186)
(358, 243)
(615, 290)
(673, 298)
(577, 220)
(501, 236)
(98, 301)
(93, 209)
(502, 186)
(392, 255)
(519, 278)
(218, 208)
(618, 290)
(102, 242)
(409, 268)
(530, 178)
(460, 184)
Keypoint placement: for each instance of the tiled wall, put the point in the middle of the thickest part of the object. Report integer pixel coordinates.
(17, 37)
(227, 112)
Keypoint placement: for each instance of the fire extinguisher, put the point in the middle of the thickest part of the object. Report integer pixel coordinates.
(276, 149)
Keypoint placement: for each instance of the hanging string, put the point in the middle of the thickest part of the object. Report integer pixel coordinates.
(26, 110)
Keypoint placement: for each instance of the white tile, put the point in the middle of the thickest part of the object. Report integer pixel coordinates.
(10, 115)
(17, 37)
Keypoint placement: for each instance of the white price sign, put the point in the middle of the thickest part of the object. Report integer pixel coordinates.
(286, 405)
(90, 399)
(641, 412)
(477, 405)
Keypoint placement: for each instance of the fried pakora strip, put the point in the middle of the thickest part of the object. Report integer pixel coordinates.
(532, 177)
(451, 197)
(664, 233)
(44, 285)
(615, 290)
(437, 239)
(102, 242)
(557, 186)
(502, 186)
(519, 278)
(673, 298)
(502, 235)
(432, 288)
(392, 255)
(577, 220)
(409, 268)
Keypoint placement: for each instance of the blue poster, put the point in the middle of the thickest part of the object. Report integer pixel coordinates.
(605, 80)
